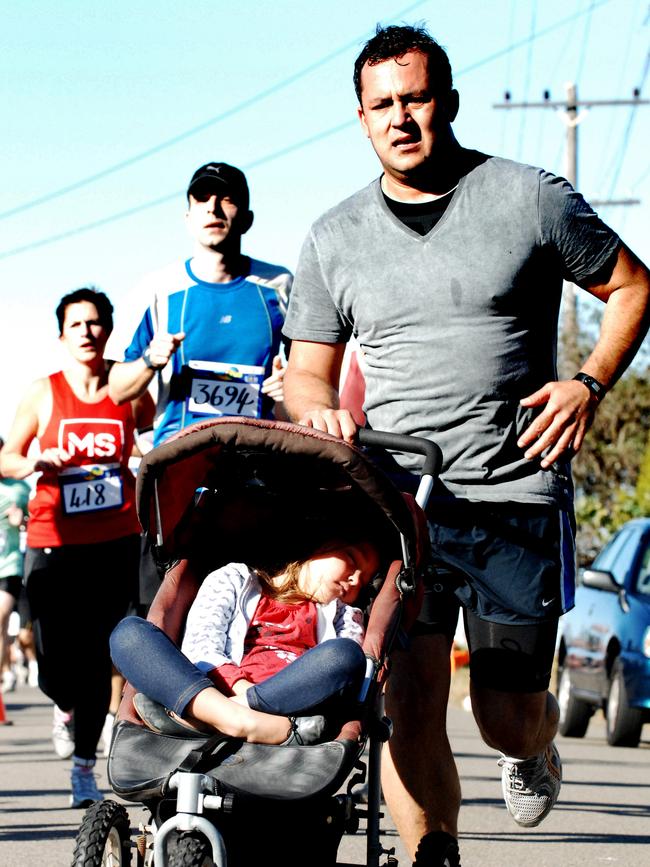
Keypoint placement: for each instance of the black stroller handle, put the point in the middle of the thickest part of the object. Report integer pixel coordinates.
(405, 443)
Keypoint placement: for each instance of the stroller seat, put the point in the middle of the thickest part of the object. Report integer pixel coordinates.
(142, 761)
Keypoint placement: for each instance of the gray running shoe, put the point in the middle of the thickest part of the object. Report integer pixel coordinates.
(84, 787)
(107, 733)
(162, 721)
(63, 732)
(305, 730)
(531, 786)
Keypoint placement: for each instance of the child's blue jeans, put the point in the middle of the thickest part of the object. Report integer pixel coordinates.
(326, 677)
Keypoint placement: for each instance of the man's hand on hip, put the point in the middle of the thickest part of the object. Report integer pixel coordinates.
(560, 428)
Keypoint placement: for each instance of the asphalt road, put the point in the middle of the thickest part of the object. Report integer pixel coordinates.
(603, 816)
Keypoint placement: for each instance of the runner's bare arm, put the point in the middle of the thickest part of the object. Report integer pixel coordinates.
(569, 406)
(128, 380)
(31, 417)
(273, 387)
(311, 388)
(143, 409)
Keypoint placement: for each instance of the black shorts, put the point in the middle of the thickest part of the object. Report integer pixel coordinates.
(11, 585)
(22, 607)
(512, 567)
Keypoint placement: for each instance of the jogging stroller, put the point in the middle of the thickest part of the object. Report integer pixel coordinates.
(237, 489)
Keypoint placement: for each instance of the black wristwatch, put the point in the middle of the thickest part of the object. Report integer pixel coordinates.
(146, 357)
(595, 387)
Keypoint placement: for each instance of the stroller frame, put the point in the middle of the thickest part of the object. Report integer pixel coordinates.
(164, 487)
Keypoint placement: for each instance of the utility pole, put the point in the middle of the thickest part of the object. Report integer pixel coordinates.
(572, 116)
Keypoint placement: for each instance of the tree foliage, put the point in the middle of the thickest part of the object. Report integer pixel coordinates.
(612, 470)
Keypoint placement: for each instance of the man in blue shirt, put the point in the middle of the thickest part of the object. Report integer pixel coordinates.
(212, 332)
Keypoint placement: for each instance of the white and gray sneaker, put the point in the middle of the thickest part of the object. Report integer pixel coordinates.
(107, 733)
(9, 680)
(84, 784)
(63, 732)
(531, 786)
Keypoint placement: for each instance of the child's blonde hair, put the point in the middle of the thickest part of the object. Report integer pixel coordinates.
(289, 591)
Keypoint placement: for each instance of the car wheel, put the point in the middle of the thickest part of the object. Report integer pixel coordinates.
(574, 714)
(624, 723)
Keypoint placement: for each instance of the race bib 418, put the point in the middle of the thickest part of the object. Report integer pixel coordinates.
(91, 488)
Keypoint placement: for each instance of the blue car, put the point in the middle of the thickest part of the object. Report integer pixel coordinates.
(604, 649)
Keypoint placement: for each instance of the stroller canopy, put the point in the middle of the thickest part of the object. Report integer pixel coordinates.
(270, 478)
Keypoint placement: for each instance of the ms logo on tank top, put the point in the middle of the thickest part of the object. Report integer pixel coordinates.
(95, 439)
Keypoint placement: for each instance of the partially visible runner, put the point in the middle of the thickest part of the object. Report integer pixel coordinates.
(210, 339)
(448, 269)
(82, 538)
(14, 495)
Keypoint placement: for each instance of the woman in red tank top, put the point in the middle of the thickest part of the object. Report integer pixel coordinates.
(83, 545)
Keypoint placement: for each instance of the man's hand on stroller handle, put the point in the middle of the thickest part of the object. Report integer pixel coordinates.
(338, 422)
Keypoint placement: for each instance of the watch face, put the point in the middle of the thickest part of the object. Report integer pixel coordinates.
(595, 387)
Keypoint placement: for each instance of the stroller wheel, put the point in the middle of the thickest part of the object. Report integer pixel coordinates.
(189, 850)
(104, 837)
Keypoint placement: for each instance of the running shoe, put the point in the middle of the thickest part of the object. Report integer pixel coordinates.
(63, 732)
(107, 733)
(437, 849)
(164, 722)
(32, 676)
(305, 730)
(531, 786)
(84, 786)
(8, 680)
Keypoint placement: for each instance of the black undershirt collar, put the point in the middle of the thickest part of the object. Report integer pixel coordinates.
(421, 217)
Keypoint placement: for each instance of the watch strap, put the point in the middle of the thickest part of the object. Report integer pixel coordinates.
(146, 357)
(595, 387)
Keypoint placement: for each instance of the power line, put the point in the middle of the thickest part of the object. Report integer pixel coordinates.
(642, 178)
(628, 130)
(529, 63)
(511, 31)
(174, 140)
(604, 169)
(247, 103)
(543, 32)
(282, 152)
(129, 212)
(585, 42)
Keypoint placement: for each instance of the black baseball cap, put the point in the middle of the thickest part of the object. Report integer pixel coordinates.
(234, 180)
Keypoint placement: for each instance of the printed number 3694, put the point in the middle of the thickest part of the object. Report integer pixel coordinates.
(224, 396)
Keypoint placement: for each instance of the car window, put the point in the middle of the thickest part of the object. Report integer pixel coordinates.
(643, 581)
(626, 557)
(610, 559)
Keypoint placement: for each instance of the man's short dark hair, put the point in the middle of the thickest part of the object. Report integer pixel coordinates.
(94, 296)
(394, 41)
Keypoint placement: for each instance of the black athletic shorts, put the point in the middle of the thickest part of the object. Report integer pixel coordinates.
(12, 585)
(512, 568)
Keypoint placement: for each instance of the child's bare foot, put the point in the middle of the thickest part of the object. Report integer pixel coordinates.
(236, 719)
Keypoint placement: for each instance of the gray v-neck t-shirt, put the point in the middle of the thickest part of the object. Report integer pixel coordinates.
(458, 325)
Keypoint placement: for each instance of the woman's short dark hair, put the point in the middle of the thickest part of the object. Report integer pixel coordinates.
(94, 296)
(394, 41)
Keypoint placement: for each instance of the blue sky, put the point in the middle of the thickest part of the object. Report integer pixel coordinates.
(157, 88)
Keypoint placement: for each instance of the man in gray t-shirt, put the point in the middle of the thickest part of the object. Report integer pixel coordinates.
(448, 270)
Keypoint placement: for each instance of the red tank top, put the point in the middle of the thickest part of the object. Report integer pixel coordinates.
(93, 498)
